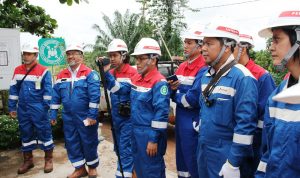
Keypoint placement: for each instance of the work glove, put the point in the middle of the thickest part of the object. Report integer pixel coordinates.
(196, 126)
(228, 171)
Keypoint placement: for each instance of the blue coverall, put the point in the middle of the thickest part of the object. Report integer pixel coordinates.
(281, 131)
(80, 99)
(150, 102)
(122, 124)
(31, 100)
(187, 114)
(265, 86)
(228, 123)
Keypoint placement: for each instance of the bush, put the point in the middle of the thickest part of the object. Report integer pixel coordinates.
(9, 132)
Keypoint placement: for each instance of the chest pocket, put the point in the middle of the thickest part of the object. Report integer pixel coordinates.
(80, 89)
(145, 97)
(223, 112)
(144, 101)
(64, 90)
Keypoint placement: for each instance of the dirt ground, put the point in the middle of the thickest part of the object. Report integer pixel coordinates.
(10, 160)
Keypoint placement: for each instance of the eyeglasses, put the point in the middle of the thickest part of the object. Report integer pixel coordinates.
(141, 58)
(73, 54)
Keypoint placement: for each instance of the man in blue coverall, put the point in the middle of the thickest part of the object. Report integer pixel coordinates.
(77, 88)
(150, 102)
(185, 93)
(281, 129)
(122, 72)
(227, 119)
(29, 98)
(265, 87)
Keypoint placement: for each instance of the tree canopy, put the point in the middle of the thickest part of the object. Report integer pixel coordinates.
(29, 18)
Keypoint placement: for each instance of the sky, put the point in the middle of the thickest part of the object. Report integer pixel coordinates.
(75, 22)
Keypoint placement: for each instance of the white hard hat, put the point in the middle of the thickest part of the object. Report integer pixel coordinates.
(74, 47)
(146, 46)
(117, 45)
(284, 18)
(221, 27)
(243, 37)
(30, 48)
(194, 32)
(290, 95)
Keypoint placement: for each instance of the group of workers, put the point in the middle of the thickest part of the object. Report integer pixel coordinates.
(231, 120)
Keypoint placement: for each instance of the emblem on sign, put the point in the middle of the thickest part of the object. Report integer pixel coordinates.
(52, 51)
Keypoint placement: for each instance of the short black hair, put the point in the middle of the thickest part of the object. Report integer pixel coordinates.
(248, 48)
(156, 57)
(127, 57)
(221, 40)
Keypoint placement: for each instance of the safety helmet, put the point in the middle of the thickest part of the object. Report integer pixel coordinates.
(146, 46)
(117, 45)
(74, 47)
(194, 32)
(221, 27)
(285, 18)
(30, 48)
(246, 38)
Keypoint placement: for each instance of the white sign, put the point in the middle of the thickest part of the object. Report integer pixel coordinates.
(10, 55)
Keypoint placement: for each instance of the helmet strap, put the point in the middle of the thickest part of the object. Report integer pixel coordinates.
(123, 55)
(240, 49)
(151, 57)
(290, 53)
(226, 44)
(199, 43)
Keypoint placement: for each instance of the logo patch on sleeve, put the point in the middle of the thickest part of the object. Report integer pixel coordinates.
(96, 77)
(164, 90)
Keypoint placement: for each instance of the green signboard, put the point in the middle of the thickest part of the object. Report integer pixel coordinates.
(52, 51)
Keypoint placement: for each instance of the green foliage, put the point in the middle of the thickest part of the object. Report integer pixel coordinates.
(57, 130)
(128, 27)
(4, 99)
(167, 16)
(10, 134)
(29, 18)
(70, 2)
(264, 59)
(9, 131)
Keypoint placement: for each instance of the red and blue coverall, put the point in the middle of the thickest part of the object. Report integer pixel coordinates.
(187, 115)
(150, 102)
(122, 124)
(80, 99)
(31, 100)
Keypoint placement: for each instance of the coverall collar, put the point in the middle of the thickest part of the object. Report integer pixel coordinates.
(148, 76)
(124, 69)
(211, 70)
(76, 70)
(192, 64)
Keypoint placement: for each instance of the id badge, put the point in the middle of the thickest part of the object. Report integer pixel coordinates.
(38, 85)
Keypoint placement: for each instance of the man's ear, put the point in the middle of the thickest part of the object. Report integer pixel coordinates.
(244, 51)
(228, 49)
(153, 61)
